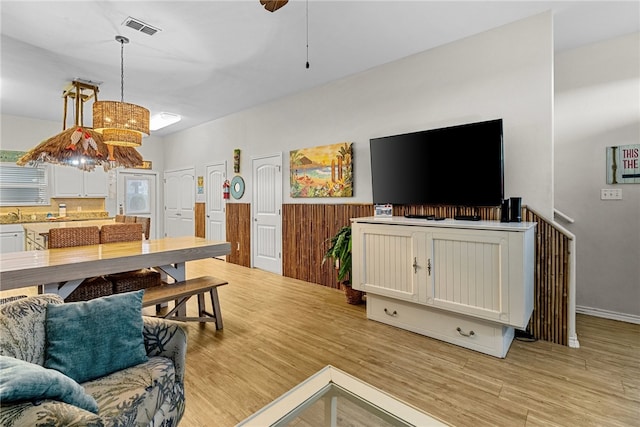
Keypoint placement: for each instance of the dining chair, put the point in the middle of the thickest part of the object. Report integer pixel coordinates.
(73, 236)
(146, 225)
(129, 219)
(130, 280)
(90, 288)
(120, 218)
(120, 232)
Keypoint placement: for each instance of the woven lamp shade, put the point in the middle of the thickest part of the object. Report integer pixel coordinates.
(120, 123)
(122, 137)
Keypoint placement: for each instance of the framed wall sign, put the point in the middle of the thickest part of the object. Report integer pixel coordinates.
(623, 164)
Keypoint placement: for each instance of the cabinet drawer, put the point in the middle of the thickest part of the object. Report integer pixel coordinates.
(486, 337)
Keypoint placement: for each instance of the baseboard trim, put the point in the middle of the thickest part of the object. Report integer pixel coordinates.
(607, 314)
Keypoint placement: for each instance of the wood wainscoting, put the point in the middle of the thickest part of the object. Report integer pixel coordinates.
(238, 233)
(550, 317)
(200, 220)
(307, 227)
(238, 217)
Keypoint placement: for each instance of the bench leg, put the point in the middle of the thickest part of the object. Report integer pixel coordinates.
(201, 306)
(215, 302)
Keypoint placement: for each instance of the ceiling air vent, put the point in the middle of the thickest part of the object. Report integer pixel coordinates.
(138, 25)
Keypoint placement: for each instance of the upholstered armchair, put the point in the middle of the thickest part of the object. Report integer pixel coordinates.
(50, 377)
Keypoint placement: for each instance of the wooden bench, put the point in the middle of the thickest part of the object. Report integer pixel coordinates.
(180, 292)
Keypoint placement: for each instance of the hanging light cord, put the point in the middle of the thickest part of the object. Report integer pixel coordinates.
(122, 40)
(121, 70)
(307, 34)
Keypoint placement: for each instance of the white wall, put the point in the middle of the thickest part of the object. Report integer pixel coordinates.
(504, 73)
(597, 105)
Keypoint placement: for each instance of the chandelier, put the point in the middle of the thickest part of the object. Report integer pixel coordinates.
(120, 123)
(78, 145)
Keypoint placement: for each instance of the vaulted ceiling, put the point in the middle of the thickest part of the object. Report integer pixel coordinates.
(213, 58)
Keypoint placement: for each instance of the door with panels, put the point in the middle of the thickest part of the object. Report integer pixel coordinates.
(179, 198)
(216, 204)
(266, 208)
(390, 261)
(468, 272)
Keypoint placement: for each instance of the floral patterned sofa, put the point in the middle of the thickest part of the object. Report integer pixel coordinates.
(150, 393)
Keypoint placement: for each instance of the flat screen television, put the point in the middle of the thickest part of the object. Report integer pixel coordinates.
(459, 165)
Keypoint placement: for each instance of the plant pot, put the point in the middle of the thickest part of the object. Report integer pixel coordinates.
(354, 296)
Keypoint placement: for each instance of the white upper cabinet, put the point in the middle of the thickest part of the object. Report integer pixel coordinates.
(72, 182)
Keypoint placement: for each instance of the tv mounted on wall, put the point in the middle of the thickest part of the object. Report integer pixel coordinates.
(459, 165)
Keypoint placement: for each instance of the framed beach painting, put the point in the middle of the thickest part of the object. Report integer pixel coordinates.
(323, 171)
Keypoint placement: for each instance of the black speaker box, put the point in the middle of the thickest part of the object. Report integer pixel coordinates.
(516, 209)
(504, 211)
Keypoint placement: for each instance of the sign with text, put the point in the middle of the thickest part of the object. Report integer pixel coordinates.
(623, 164)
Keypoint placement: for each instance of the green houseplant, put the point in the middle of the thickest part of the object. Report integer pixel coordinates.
(339, 252)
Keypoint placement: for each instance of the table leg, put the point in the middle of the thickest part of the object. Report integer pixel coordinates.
(178, 272)
(63, 290)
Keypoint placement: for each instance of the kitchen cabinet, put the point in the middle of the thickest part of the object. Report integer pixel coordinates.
(465, 282)
(34, 241)
(11, 238)
(72, 182)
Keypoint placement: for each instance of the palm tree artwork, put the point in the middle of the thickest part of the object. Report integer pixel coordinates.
(323, 171)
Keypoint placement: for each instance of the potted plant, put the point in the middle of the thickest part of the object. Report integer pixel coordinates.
(340, 252)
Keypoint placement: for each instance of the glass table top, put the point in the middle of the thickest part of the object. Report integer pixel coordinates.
(334, 398)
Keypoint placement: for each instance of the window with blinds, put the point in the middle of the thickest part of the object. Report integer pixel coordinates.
(23, 186)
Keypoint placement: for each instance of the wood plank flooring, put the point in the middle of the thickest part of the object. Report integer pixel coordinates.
(279, 331)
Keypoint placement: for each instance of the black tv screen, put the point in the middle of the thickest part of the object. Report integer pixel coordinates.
(459, 165)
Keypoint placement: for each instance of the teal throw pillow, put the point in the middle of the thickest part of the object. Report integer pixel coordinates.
(90, 339)
(22, 381)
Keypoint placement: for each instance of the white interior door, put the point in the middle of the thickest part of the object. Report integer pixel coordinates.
(137, 195)
(179, 198)
(266, 207)
(216, 221)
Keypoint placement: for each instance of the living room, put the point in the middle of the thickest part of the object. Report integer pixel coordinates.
(554, 148)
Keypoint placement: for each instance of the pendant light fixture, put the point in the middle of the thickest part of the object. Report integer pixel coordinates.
(80, 146)
(120, 123)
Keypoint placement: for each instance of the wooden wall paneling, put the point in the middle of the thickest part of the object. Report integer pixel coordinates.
(306, 231)
(238, 218)
(200, 220)
(549, 321)
(307, 228)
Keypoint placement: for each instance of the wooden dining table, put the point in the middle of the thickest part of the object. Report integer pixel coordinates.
(61, 270)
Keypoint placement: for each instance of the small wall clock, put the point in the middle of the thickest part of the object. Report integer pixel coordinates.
(237, 187)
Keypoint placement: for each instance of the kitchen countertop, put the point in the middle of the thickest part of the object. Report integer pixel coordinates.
(35, 217)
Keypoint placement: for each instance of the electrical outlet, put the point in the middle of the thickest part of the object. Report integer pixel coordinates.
(611, 194)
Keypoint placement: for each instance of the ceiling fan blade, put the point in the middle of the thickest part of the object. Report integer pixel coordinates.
(273, 5)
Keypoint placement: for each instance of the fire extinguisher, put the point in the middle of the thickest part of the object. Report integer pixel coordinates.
(225, 189)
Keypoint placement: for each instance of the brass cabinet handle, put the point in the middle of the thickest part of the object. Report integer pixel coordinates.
(395, 313)
(415, 265)
(470, 334)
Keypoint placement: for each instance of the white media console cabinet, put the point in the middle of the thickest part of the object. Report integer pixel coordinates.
(469, 283)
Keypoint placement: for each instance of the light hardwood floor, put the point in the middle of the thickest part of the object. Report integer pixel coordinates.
(279, 331)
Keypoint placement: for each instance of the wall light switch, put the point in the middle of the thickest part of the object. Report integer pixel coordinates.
(611, 194)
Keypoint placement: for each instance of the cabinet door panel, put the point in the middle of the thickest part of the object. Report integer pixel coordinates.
(95, 183)
(11, 242)
(67, 182)
(469, 273)
(392, 261)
